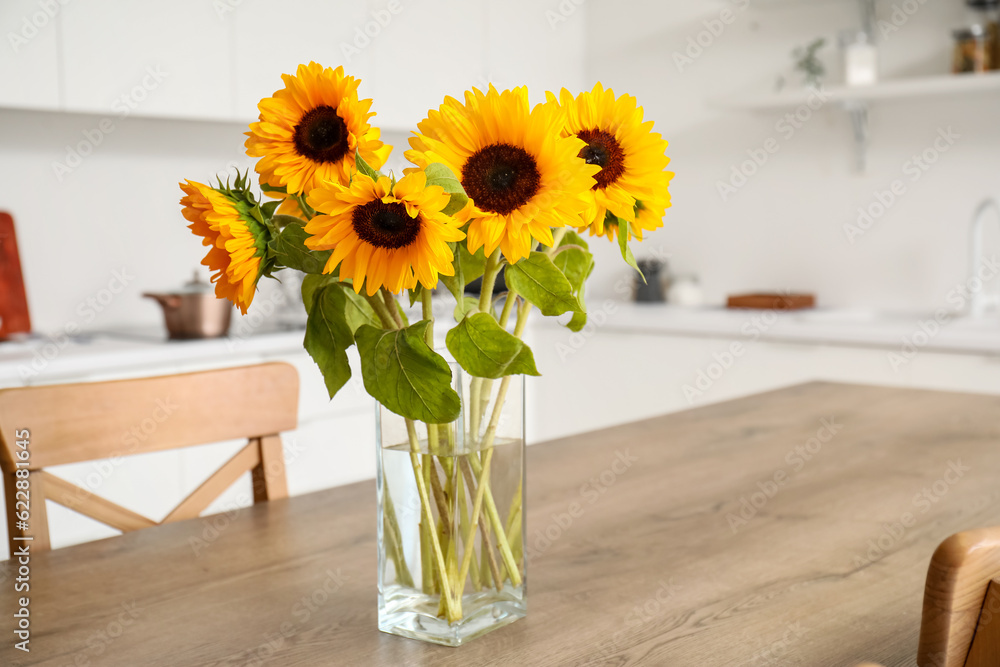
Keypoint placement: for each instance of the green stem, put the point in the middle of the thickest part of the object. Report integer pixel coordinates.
(453, 607)
(378, 305)
(396, 541)
(490, 272)
(393, 308)
(508, 305)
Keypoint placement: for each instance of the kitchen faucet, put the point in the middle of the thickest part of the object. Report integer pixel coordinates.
(981, 301)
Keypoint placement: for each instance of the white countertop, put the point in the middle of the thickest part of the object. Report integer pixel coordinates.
(957, 334)
(43, 359)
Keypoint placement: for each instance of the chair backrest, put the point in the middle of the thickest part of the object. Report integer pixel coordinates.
(961, 616)
(59, 424)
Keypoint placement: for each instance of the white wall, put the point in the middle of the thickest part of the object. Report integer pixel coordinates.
(784, 228)
(119, 207)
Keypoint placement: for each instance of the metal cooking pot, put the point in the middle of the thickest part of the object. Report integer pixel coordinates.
(194, 311)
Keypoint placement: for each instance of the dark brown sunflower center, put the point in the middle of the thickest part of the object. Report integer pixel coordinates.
(501, 178)
(603, 150)
(321, 135)
(385, 225)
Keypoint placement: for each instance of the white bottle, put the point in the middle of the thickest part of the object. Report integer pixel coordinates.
(860, 59)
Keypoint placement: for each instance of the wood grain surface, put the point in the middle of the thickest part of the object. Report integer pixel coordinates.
(638, 554)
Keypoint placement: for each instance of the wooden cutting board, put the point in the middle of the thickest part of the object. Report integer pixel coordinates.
(14, 316)
(772, 301)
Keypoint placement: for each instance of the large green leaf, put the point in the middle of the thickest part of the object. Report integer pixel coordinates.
(539, 281)
(439, 174)
(328, 335)
(405, 375)
(290, 250)
(484, 349)
(312, 282)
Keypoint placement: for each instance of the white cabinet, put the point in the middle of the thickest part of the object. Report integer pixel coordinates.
(147, 58)
(536, 45)
(431, 49)
(271, 38)
(29, 56)
(604, 377)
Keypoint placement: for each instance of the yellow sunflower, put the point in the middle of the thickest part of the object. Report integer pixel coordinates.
(237, 241)
(384, 235)
(632, 184)
(309, 131)
(521, 176)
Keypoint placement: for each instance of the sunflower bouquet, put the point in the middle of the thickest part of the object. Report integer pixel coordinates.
(496, 186)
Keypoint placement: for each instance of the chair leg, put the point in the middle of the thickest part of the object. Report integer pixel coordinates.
(36, 532)
(986, 642)
(269, 479)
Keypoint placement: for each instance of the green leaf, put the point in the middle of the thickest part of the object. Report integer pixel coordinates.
(468, 267)
(572, 238)
(415, 294)
(405, 375)
(269, 208)
(577, 265)
(310, 284)
(484, 349)
(365, 168)
(623, 242)
(328, 336)
(439, 174)
(539, 281)
(468, 304)
(290, 251)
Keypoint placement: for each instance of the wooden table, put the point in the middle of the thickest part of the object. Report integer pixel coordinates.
(825, 566)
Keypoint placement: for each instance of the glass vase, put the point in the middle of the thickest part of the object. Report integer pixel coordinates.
(451, 527)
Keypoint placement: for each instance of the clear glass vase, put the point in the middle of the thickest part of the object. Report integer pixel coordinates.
(451, 528)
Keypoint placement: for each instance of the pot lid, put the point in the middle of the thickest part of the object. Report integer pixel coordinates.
(196, 286)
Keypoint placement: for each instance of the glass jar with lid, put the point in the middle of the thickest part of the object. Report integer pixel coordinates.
(986, 13)
(972, 50)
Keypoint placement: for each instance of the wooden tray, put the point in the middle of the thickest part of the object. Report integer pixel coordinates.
(768, 301)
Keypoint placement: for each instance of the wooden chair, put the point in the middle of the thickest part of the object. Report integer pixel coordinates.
(961, 617)
(71, 423)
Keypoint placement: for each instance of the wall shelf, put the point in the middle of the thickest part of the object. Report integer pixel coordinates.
(931, 86)
(856, 100)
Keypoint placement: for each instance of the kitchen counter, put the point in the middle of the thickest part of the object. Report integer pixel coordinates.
(940, 332)
(42, 359)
